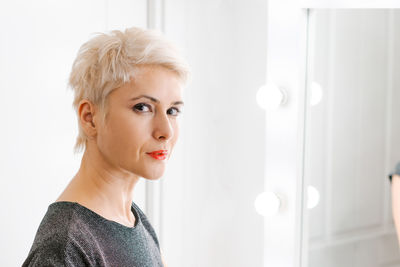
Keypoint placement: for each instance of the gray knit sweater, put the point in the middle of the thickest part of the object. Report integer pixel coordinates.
(73, 235)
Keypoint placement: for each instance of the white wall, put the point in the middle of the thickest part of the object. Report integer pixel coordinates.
(207, 193)
(225, 42)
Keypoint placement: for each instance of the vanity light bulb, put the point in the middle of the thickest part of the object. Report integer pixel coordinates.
(267, 204)
(316, 93)
(312, 197)
(270, 97)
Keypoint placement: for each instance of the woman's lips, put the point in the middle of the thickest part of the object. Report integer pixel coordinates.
(159, 154)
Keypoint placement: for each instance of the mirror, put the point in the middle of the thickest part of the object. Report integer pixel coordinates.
(352, 138)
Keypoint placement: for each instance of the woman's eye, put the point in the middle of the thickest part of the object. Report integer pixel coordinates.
(177, 111)
(140, 107)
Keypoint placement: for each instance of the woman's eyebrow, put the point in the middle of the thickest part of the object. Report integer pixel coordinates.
(156, 100)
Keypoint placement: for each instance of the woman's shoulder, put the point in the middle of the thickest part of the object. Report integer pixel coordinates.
(58, 239)
(56, 252)
(59, 223)
(61, 217)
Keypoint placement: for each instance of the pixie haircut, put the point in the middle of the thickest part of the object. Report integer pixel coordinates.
(108, 60)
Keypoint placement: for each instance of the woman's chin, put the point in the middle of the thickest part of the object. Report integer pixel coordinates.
(153, 176)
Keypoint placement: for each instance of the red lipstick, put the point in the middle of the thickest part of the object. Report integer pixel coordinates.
(159, 154)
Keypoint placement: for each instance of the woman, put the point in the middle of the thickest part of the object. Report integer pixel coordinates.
(395, 184)
(128, 97)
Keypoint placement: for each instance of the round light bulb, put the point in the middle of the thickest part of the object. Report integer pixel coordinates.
(267, 203)
(270, 96)
(316, 93)
(312, 197)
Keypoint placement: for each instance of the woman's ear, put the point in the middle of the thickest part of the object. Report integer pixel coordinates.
(87, 112)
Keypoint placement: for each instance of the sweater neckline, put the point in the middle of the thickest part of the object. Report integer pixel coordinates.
(91, 212)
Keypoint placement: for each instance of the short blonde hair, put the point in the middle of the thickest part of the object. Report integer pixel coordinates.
(108, 60)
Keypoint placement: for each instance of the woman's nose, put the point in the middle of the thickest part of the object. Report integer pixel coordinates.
(162, 127)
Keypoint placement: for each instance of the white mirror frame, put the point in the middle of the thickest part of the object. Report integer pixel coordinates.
(286, 67)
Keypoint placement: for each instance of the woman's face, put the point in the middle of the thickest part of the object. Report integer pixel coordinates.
(137, 125)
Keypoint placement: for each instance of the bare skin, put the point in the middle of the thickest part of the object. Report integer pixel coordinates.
(116, 153)
(396, 203)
